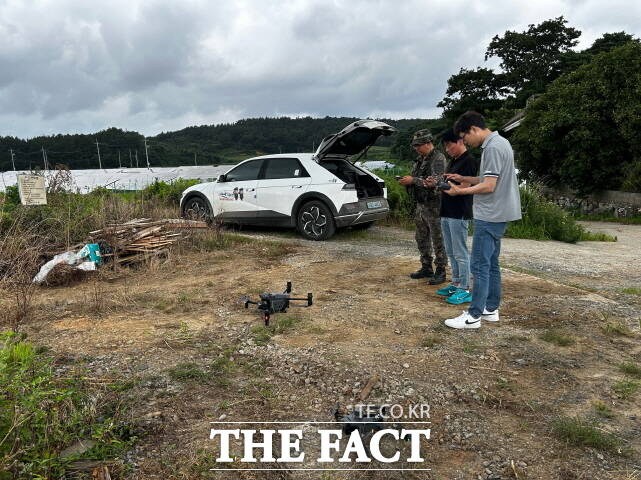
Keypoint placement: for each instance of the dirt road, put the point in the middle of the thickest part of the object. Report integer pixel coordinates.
(506, 400)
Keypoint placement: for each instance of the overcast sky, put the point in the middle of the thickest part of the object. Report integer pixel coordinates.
(71, 66)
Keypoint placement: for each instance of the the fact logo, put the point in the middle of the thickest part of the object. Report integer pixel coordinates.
(358, 441)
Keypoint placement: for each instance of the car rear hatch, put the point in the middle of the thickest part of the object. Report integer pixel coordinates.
(337, 152)
(353, 139)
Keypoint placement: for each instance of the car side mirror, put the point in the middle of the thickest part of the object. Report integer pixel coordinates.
(222, 178)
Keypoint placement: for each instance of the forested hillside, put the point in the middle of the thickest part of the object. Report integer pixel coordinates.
(203, 145)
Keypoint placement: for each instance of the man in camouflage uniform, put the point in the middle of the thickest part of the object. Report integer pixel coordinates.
(428, 202)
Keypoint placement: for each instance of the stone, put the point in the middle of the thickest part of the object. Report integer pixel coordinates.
(78, 448)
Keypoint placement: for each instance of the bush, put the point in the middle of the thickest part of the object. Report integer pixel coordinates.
(544, 220)
(169, 192)
(400, 203)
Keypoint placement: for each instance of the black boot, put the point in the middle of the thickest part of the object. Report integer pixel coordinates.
(438, 278)
(423, 272)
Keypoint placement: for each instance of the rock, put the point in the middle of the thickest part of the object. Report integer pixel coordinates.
(78, 448)
(222, 417)
(406, 365)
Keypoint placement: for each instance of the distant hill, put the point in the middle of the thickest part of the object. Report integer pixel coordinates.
(205, 144)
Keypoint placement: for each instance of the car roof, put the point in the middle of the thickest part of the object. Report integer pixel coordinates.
(300, 156)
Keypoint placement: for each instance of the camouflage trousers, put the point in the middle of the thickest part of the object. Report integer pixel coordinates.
(429, 237)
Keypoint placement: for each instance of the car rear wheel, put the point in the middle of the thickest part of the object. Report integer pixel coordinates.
(315, 221)
(196, 209)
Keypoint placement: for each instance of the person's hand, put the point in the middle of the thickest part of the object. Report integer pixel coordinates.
(429, 182)
(454, 190)
(406, 180)
(453, 177)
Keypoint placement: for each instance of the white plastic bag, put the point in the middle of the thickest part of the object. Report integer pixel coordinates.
(70, 258)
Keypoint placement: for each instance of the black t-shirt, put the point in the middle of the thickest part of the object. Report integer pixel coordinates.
(460, 206)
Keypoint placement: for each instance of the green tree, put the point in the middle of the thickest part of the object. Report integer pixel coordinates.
(609, 41)
(481, 90)
(533, 58)
(583, 132)
(529, 61)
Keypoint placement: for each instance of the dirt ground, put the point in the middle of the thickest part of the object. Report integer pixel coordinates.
(494, 393)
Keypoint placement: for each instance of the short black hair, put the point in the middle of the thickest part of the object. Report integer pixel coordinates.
(449, 136)
(468, 120)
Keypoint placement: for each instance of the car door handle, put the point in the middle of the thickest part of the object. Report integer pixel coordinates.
(297, 186)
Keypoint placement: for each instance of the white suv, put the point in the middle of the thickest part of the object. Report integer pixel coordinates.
(316, 193)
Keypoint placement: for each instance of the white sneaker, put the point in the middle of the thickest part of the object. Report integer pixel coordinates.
(464, 320)
(492, 316)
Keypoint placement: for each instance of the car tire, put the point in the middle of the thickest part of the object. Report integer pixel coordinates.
(196, 208)
(315, 221)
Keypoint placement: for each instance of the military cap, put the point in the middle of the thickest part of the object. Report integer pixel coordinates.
(421, 137)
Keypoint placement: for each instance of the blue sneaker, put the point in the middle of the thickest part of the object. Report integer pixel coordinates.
(458, 297)
(447, 291)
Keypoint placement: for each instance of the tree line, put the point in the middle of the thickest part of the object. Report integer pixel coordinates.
(201, 145)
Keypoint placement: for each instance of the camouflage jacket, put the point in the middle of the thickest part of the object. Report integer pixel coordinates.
(433, 164)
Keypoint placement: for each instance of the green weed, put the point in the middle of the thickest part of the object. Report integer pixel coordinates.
(626, 388)
(558, 338)
(40, 415)
(631, 368)
(431, 341)
(603, 410)
(470, 347)
(617, 328)
(187, 371)
(580, 432)
(279, 325)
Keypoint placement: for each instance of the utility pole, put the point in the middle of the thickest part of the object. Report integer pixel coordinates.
(119, 164)
(44, 159)
(131, 162)
(99, 161)
(13, 163)
(147, 154)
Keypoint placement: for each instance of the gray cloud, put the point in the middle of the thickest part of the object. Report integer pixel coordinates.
(151, 66)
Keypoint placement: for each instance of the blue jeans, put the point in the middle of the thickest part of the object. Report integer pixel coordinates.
(455, 241)
(486, 249)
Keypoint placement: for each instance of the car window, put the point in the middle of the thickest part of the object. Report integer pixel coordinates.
(284, 168)
(246, 171)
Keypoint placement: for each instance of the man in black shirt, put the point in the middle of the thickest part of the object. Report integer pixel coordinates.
(456, 213)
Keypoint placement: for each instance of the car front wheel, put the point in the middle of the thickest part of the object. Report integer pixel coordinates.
(196, 209)
(315, 221)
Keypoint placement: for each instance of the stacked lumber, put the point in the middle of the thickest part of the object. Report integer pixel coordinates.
(141, 238)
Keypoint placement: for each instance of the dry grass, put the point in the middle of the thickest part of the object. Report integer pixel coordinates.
(21, 249)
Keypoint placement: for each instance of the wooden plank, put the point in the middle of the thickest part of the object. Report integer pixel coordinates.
(146, 231)
(369, 386)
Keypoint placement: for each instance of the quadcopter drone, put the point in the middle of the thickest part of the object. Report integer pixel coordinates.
(271, 303)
